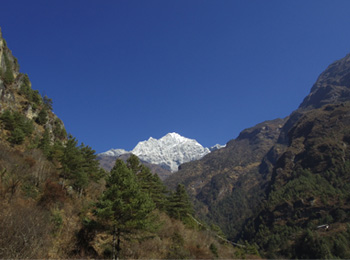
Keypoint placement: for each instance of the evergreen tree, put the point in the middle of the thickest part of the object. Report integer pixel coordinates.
(47, 102)
(71, 161)
(179, 204)
(90, 165)
(134, 164)
(42, 117)
(8, 75)
(17, 136)
(123, 208)
(152, 184)
(45, 143)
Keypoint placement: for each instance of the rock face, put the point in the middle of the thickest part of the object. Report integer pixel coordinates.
(332, 86)
(251, 185)
(17, 95)
(169, 152)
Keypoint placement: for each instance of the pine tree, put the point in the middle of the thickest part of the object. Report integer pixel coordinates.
(71, 163)
(152, 184)
(90, 165)
(179, 204)
(134, 164)
(123, 208)
(8, 75)
(45, 143)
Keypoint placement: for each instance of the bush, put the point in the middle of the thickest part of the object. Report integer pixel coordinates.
(19, 126)
(42, 117)
(17, 136)
(214, 250)
(8, 74)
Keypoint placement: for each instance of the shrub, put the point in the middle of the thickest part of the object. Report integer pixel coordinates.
(42, 117)
(17, 136)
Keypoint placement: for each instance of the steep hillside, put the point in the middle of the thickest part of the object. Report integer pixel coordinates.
(228, 184)
(310, 187)
(56, 202)
(332, 86)
(276, 183)
(25, 105)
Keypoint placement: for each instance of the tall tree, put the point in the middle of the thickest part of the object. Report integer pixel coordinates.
(152, 184)
(179, 204)
(149, 183)
(123, 208)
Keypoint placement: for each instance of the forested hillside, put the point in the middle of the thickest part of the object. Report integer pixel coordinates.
(56, 202)
(284, 184)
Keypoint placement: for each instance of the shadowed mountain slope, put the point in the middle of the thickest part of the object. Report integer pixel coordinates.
(278, 181)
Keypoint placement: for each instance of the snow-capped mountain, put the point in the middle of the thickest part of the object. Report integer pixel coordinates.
(114, 152)
(169, 151)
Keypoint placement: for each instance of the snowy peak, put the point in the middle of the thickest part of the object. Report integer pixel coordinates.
(114, 152)
(169, 151)
(216, 147)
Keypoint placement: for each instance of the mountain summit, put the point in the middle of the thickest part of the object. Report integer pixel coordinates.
(169, 151)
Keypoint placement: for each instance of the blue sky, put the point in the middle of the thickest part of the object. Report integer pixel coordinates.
(121, 71)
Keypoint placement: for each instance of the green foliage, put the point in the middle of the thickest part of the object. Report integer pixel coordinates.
(307, 184)
(33, 96)
(45, 143)
(56, 220)
(8, 74)
(214, 250)
(78, 164)
(42, 117)
(58, 130)
(17, 136)
(150, 183)
(179, 204)
(90, 165)
(177, 250)
(19, 126)
(307, 200)
(47, 102)
(123, 208)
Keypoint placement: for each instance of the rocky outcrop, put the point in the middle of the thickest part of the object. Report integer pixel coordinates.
(17, 95)
(332, 86)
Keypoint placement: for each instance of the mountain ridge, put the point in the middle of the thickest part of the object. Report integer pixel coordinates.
(169, 151)
(278, 181)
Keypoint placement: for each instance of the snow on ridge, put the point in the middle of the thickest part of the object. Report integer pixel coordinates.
(169, 151)
(114, 152)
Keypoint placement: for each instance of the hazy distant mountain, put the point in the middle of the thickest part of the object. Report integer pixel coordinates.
(169, 152)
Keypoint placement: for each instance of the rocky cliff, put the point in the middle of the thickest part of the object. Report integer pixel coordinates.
(17, 95)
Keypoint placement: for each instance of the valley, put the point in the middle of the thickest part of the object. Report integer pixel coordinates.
(281, 189)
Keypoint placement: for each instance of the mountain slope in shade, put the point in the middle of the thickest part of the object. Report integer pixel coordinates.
(279, 181)
(333, 85)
